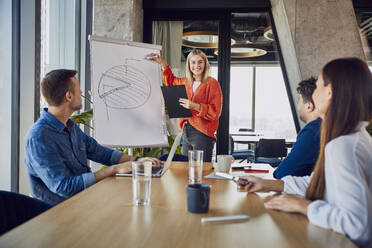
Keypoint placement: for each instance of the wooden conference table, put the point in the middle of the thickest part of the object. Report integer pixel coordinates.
(103, 216)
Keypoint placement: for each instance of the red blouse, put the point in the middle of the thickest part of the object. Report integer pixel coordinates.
(208, 95)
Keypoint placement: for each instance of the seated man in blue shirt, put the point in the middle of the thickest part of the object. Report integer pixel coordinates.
(57, 151)
(304, 154)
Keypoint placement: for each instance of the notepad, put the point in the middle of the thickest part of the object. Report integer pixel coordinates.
(171, 95)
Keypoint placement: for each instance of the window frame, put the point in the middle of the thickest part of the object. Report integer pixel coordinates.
(224, 17)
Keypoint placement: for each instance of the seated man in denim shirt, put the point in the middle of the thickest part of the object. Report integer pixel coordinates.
(304, 154)
(57, 151)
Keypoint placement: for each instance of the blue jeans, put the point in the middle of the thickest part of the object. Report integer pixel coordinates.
(192, 139)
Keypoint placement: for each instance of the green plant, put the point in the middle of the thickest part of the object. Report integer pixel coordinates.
(83, 118)
(152, 152)
(86, 116)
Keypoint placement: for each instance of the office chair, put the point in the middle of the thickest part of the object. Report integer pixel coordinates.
(270, 151)
(243, 154)
(176, 157)
(15, 209)
(245, 130)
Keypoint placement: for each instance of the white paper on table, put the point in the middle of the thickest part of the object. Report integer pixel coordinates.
(214, 176)
(238, 174)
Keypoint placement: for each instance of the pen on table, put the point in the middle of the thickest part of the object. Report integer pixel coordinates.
(236, 179)
(225, 218)
(151, 57)
(255, 170)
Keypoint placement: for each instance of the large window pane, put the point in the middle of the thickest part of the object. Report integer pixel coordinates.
(5, 92)
(259, 104)
(58, 39)
(273, 113)
(241, 86)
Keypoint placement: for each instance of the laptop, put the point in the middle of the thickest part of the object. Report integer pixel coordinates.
(159, 171)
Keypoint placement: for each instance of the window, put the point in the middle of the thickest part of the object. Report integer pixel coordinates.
(272, 116)
(253, 46)
(5, 92)
(241, 87)
(273, 112)
(62, 29)
(58, 35)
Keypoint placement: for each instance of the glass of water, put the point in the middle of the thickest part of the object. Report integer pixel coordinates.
(195, 166)
(141, 182)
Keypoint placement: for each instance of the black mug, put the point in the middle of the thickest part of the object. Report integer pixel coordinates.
(198, 198)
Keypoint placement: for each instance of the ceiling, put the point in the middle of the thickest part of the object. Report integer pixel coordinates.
(249, 29)
(246, 29)
(364, 20)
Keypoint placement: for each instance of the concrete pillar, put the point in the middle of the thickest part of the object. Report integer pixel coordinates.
(313, 32)
(118, 19)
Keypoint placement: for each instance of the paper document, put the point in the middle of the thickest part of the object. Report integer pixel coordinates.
(214, 176)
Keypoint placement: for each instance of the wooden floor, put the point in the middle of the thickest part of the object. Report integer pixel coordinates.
(103, 216)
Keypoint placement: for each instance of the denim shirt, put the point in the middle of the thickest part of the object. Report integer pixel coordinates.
(57, 158)
(304, 154)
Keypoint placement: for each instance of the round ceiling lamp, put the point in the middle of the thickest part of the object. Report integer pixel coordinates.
(268, 33)
(244, 51)
(201, 39)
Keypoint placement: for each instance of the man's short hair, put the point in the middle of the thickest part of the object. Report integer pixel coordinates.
(55, 84)
(306, 88)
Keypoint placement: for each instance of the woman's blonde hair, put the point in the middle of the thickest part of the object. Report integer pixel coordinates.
(189, 75)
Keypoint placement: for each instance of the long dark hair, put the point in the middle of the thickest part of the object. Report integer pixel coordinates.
(351, 102)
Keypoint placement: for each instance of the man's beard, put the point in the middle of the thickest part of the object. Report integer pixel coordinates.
(302, 118)
(77, 107)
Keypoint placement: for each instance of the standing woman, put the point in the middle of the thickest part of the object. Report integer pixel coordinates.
(204, 99)
(338, 195)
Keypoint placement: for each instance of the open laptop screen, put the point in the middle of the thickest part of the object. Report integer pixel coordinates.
(159, 171)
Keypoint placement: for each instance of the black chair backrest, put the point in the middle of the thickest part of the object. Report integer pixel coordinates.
(176, 157)
(16, 209)
(271, 148)
(245, 130)
(231, 144)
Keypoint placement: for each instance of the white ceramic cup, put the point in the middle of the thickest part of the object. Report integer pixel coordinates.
(224, 163)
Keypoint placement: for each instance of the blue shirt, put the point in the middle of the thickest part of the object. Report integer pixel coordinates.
(57, 158)
(304, 154)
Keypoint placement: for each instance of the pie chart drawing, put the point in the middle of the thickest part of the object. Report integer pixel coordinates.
(124, 87)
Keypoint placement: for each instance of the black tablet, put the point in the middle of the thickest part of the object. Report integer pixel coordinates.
(171, 95)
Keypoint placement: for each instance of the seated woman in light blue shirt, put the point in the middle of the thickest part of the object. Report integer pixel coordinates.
(338, 194)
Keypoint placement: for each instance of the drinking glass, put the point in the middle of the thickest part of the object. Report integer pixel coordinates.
(195, 166)
(141, 182)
